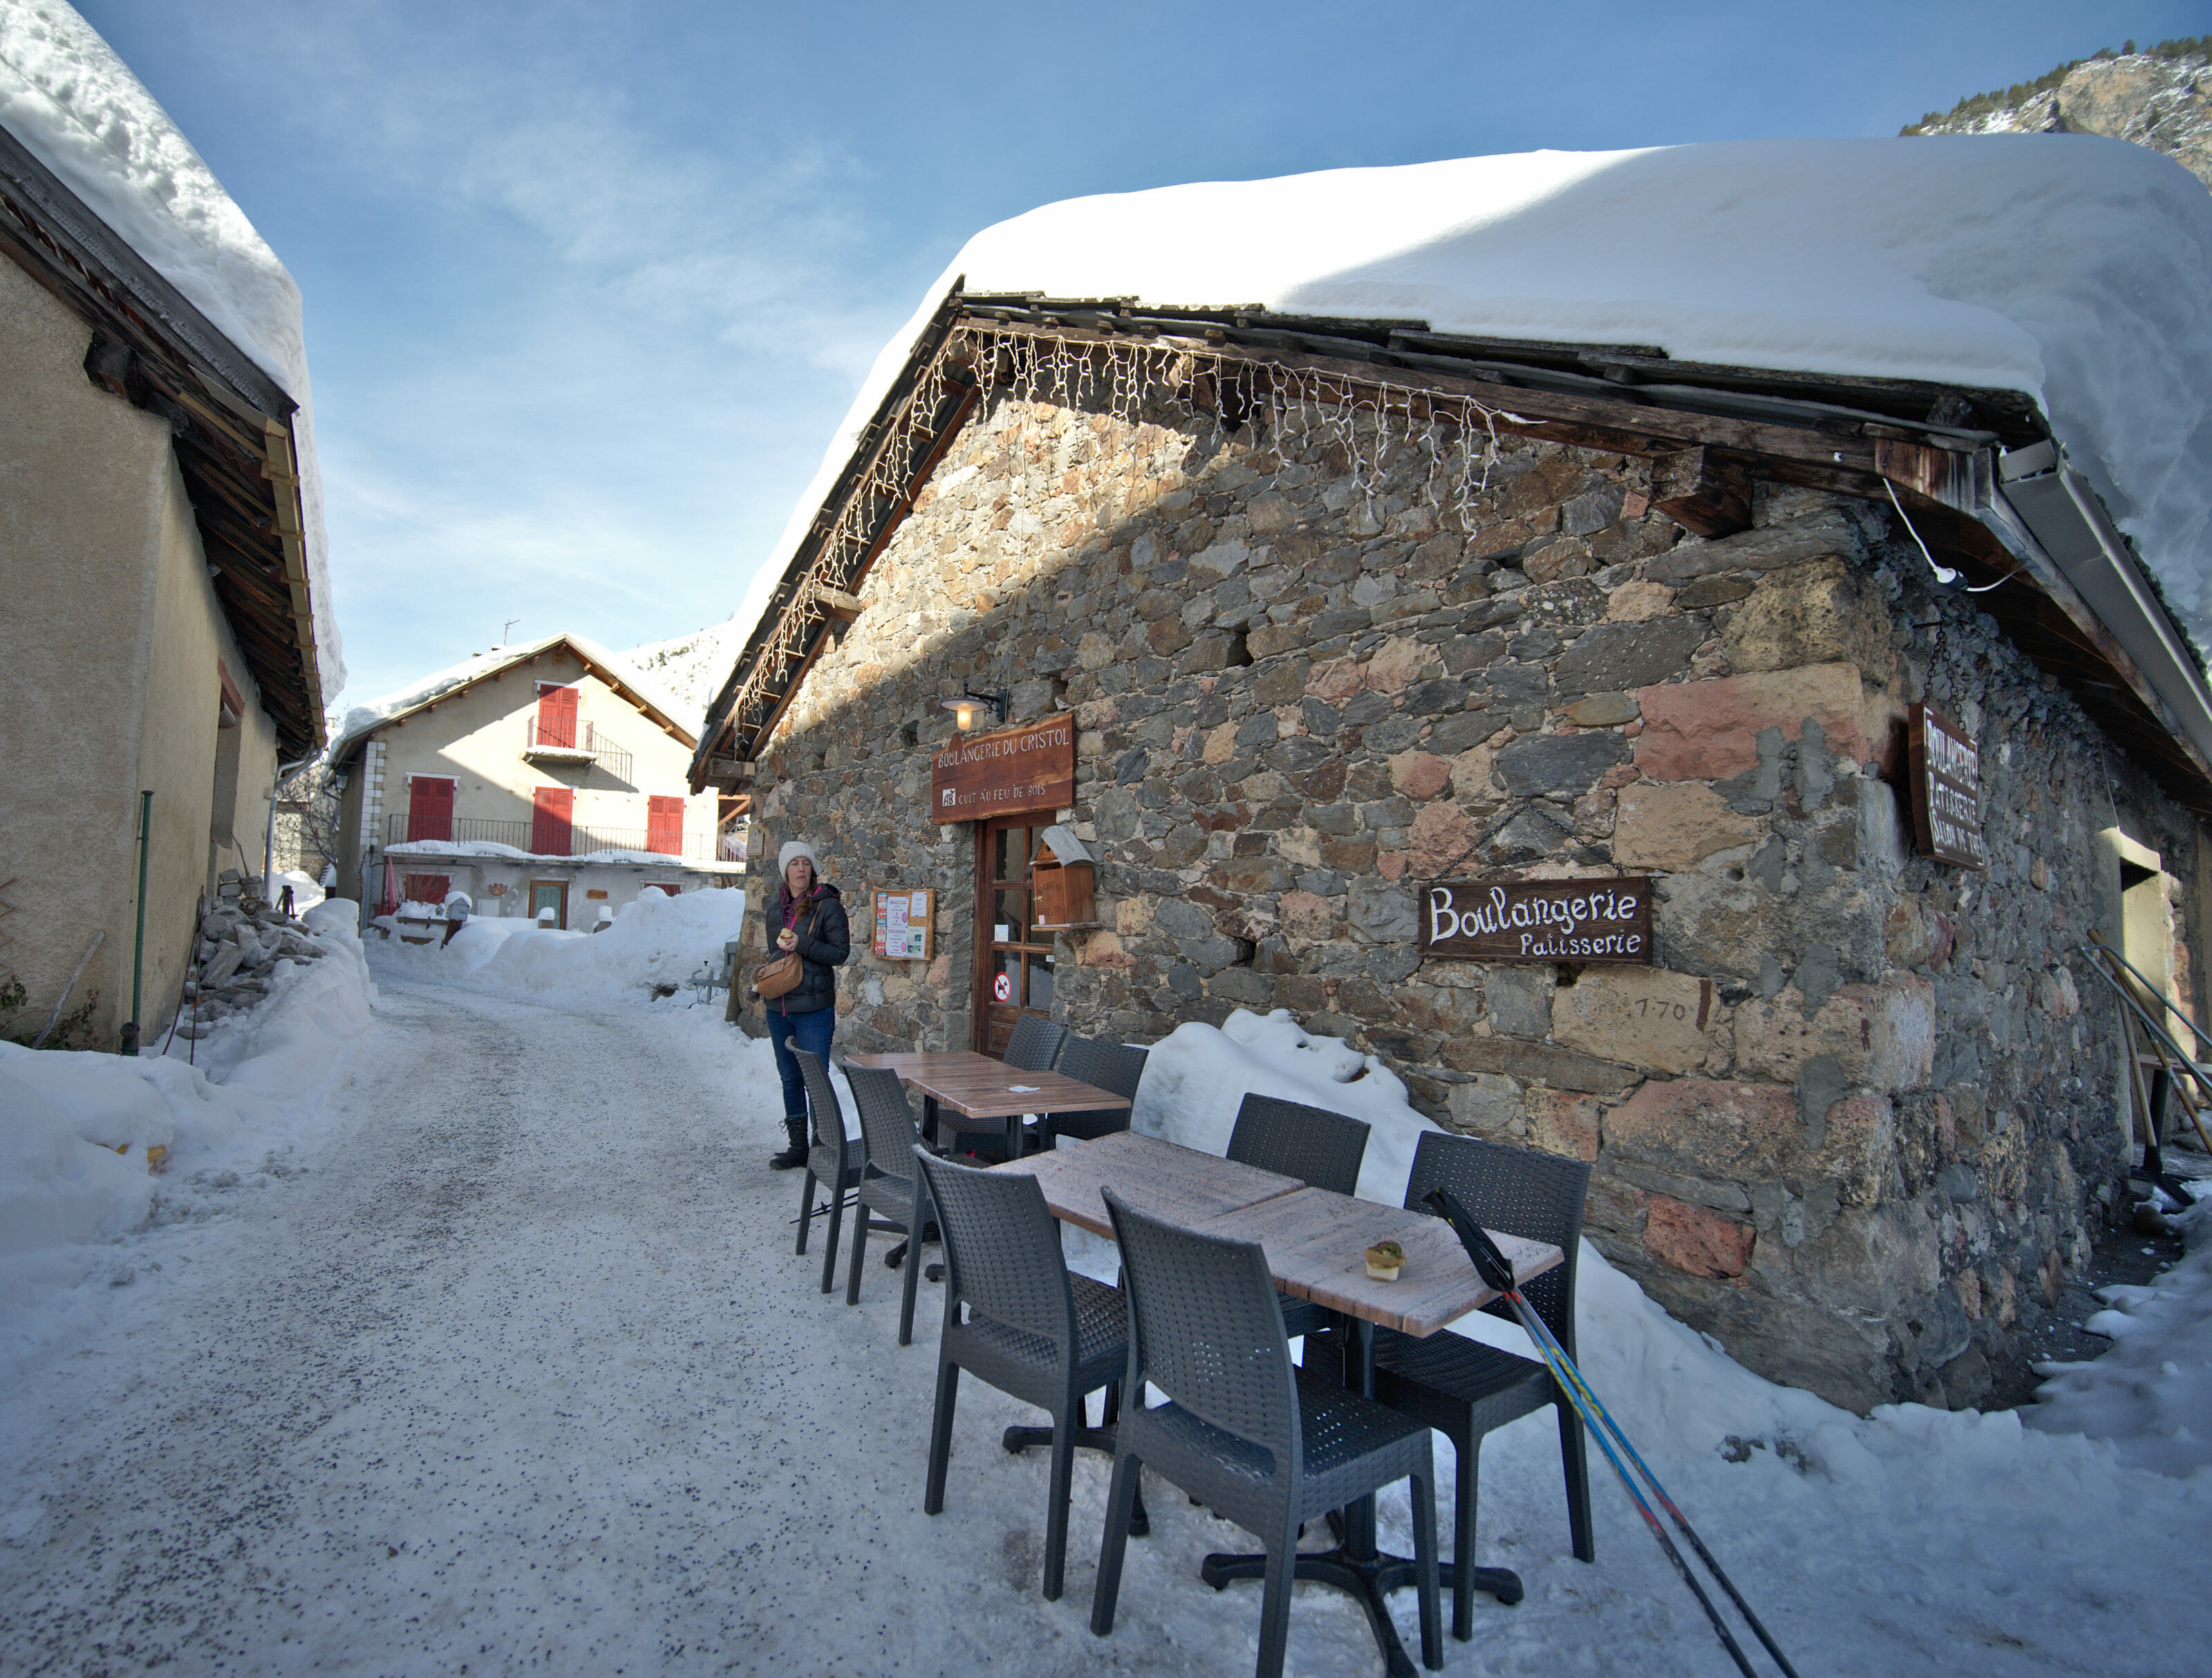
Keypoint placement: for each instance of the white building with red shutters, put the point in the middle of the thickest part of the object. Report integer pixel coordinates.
(546, 780)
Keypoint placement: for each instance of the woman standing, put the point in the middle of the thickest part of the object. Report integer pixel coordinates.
(811, 915)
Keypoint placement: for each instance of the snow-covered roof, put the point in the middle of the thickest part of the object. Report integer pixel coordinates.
(78, 109)
(2076, 270)
(641, 690)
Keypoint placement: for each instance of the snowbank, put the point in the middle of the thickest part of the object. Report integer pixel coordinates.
(79, 111)
(657, 941)
(2074, 269)
(1197, 1076)
(2152, 1393)
(86, 1140)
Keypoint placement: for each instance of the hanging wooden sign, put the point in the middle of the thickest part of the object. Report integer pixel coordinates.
(1607, 921)
(981, 776)
(1946, 789)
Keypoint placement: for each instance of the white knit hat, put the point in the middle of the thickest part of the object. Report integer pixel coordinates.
(794, 849)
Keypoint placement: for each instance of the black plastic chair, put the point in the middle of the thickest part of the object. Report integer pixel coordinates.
(888, 1184)
(1036, 1043)
(1104, 1066)
(1321, 1149)
(1032, 1328)
(833, 1159)
(1258, 1440)
(1464, 1389)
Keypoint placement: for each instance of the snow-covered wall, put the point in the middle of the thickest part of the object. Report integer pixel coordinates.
(2077, 269)
(79, 111)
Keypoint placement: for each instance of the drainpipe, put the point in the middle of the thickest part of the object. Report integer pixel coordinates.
(129, 1045)
(284, 772)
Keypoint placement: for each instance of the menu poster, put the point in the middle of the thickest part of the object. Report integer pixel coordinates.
(903, 925)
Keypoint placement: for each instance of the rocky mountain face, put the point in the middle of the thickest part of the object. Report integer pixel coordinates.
(2160, 98)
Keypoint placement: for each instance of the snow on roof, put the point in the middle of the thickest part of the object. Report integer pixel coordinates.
(691, 666)
(2074, 269)
(76, 106)
(362, 719)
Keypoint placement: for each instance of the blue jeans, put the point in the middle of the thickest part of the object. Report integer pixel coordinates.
(810, 1031)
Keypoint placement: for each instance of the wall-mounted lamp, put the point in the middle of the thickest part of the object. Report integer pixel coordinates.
(963, 708)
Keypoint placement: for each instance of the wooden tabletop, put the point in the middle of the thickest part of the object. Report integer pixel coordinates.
(982, 1088)
(1316, 1240)
(1180, 1184)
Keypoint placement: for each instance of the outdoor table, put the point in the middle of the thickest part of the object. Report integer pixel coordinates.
(975, 1086)
(1316, 1242)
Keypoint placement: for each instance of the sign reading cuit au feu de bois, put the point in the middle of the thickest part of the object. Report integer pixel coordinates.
(1552, 920)
(982, 775)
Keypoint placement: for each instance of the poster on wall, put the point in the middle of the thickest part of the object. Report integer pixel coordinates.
(1946, 765)
(981, 776)
(902, 922)
(1594, 921)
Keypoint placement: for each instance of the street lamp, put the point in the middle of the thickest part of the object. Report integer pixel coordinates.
(963, 708)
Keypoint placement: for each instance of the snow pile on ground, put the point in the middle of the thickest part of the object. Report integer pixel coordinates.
(78, 109)
(91, 1140)
(1196, 1078)
(2074, 269)
(306, 890)
(2151, 1395)
(656, 943)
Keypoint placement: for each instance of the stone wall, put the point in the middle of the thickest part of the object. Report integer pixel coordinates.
(1860, 1115)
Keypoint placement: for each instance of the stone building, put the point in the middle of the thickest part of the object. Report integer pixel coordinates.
(1336, 609)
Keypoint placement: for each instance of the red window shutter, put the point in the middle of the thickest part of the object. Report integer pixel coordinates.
(552, 827)
(427, 888)
(429, 807)
(557, 716)
(664, 825)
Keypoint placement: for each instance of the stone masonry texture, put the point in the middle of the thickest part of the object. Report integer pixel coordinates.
(1859, 1118)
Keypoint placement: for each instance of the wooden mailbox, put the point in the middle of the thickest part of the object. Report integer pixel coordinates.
(1062, 876)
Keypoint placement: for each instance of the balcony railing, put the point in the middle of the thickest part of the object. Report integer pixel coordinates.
(567, 741)
(533, 837)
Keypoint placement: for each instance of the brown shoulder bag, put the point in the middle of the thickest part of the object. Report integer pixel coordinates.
(772, 979)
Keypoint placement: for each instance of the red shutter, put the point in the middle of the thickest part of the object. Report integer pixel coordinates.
(552, 827)
(429, 807)
(556, 717)
(427, 888)
(664, 825)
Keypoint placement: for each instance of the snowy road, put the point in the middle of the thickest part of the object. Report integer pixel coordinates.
(521, 1375)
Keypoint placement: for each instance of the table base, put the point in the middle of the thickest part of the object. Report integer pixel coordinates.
(1369, 1580)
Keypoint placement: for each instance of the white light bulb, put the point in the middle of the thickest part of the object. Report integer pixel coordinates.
(964, 718)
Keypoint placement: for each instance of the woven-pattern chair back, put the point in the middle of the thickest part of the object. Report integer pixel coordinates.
(887, 1127)
(1204, 1328)
(1321, 1149)
(1001, 1250)
(1517, 1191)
(822, 1106)
(1103, 1066)
(1034, 1044)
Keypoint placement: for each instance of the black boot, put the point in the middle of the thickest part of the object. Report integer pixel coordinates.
(795, 1155)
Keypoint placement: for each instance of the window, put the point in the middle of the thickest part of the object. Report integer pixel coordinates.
(664, 825)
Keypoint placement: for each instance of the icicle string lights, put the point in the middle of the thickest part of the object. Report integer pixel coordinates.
(1368, 422)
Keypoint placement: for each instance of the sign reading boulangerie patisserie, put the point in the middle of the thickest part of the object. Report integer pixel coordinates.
(1946, 789)
(1551, 920)
(981, 776)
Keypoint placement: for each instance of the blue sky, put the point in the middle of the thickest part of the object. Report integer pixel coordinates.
(588, 286)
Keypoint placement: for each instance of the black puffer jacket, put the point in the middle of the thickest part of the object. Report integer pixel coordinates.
(825, 940)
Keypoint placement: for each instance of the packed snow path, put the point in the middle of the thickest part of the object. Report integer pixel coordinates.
(522, 1375)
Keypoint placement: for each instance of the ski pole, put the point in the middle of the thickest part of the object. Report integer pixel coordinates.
(1497, 1272)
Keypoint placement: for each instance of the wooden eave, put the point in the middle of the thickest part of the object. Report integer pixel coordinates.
(231, 424)
(1853, 436)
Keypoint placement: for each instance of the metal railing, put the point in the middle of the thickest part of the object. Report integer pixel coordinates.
(537, 837)
(566, 738)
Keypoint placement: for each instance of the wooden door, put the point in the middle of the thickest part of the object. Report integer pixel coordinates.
(552, 827)
(551, 894)
(429, 807)
(664, 825)
(557, 716)
(1013, 959)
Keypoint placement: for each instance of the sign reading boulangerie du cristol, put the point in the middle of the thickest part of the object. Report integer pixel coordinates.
(1549, 920)
(981, 776)
(1946, 789)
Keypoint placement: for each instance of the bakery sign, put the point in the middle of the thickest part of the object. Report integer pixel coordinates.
(1946, 789)
(1552, 920)
(982, 775)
